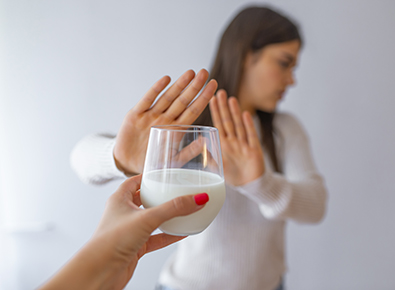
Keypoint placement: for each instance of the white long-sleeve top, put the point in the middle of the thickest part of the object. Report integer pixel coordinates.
(243, 248)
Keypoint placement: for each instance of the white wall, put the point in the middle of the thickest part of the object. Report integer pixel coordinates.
(69, 68)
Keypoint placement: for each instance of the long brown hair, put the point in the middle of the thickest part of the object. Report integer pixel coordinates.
(252, 29)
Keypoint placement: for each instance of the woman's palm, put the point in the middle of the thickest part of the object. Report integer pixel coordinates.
(241, 149)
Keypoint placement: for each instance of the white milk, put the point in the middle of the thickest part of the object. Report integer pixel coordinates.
(160, 186)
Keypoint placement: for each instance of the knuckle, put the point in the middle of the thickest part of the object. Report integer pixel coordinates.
(163, 119)
(196, 87)
(167, 98)
(184, 101)
(170, 116)
(232, 139)
(179, 204)
(239, 125)
(154, 113)
(227, 120)
(207, 96)
(156, 88)
(180, 84)
(194, 111)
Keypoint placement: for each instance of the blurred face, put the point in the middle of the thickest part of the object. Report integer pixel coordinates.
(267, 75)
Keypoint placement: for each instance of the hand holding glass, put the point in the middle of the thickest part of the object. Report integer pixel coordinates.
(184, 160)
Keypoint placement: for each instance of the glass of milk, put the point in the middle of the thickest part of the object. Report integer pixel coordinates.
(183, 160)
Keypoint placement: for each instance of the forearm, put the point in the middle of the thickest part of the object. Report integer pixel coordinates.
(89, 269)
(299, 192)
(303, 200)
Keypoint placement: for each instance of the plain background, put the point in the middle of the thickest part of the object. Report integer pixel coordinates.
(70, 68)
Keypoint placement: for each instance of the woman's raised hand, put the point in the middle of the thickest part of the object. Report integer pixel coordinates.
(175, 106)
(241, 149)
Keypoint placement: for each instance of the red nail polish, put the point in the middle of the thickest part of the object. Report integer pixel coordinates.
(201, 198)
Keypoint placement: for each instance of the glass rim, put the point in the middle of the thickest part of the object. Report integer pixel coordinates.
(184, 128)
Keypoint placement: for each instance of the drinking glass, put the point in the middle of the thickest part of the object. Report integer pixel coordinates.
(183, 160)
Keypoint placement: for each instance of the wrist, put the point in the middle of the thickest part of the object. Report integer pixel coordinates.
(100, 268)
(88, 269)
(243, 178)
(123, 169)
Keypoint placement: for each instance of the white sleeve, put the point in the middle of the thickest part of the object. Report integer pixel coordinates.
(299, 193)
(92, 159)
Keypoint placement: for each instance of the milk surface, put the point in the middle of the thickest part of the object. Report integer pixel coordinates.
(160, 186)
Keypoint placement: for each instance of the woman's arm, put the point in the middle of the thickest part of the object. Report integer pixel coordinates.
(93, 161)
(299, 193)
(99, 158)
(123, 236)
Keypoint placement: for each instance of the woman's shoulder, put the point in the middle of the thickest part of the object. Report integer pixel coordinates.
(288, 124)
(286, 119)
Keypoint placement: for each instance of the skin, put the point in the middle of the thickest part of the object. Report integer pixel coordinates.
(174, 107)
(241, 149)
(123, 236)
(109, 258)
(124, 233)
(266, 76)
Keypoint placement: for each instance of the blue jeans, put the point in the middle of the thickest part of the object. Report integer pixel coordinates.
(162, 287)
(280, 286)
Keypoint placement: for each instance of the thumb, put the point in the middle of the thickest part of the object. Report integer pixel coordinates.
(179, 206)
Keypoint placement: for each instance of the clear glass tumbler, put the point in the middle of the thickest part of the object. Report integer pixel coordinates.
(184, 160)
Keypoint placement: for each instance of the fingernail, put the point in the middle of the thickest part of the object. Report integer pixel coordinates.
(201, 198)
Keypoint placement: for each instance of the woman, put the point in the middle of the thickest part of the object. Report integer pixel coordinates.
(269, 170)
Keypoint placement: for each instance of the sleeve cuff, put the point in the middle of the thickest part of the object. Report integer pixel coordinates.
(107, 161)
(256, 187)
(93, 161)
(270, 191)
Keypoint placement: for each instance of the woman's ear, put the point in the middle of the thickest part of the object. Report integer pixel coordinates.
(251, 58)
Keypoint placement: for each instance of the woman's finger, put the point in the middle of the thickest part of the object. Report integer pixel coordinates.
(148, 99)
(198, 105)
(160, 241)
(252, 135)
(216, 117)
(237, 119)
(179, 206)
(173, 92)
(130, 187)
(226, 118)
(189, 152)
(183, 101)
